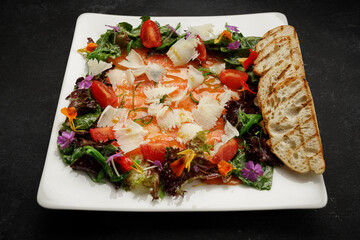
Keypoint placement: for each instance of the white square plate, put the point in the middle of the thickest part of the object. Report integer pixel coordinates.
(62, 188)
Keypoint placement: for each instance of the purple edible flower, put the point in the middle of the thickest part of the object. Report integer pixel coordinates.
(172, 29)
(119, 154)
(65, 139)
(251, 171)
(117, 29)
(158, 164)
(234, 45)
(86, 83)
(232, 28)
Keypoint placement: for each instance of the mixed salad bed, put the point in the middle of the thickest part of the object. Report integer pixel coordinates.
(159, 109)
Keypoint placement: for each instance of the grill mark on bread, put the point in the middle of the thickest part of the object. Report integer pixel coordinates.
(277, 104)
(287, 134)
(283, 72)
(280, 31)
(273, 77)
(277, 45)
(302, 145)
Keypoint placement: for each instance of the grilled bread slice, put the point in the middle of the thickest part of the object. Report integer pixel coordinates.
(290, 121)
(281, 31)
(286, 103)
(277, 51)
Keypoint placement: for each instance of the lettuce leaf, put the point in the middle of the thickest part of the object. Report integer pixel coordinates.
(84, 122)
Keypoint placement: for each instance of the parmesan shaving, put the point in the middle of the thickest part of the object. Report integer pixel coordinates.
(119, 77)
(130, 77)
(96, 67)
(226, 96)
(206, 31)
(183, 50)
(155, 72)
(195, 78)
(180, 97)
(207, 112)
(169, 120)
(187, 131)
(134, 61)
(157, 109)
(129, 136)
(111, 116)
(157, 93)
(217, 68)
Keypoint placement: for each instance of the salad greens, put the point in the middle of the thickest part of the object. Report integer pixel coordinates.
(125, 35)
(246, 121)
(85, 121)
(107, 47)
(82, 144)
(263, 182)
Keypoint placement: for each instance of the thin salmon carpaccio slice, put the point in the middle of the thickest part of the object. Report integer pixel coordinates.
(175, 76)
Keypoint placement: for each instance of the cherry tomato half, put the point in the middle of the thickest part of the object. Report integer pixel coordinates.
(226, 151)
(150, 34)
(124, 163)
(103, 94)
(102, 134)
(201, 49)
(233, 78)
(154, 151)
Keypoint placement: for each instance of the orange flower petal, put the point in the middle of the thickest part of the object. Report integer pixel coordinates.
(178, 166)
(226, 34)
(69, 112)
(224, 167)
(189, 156)
(184, 162)
(91, 47)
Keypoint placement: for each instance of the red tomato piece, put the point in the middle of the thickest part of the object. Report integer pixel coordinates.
(102, 134)
(201, 49)
(103, 94)
(154, 151)
(233, 78)
(226, 151)
(150, 34)
(124, 163)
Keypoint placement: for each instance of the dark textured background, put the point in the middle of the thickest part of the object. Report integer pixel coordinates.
(35, 42)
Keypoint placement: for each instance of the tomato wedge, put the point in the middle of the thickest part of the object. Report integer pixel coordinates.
(103, 94)
(201, 49)
(233, 78)
(150, 34)
(102, 134)
(226, 151)
(124, 163)
(154, 151)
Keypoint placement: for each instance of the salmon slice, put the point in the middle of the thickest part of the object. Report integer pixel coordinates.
(134, 98)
